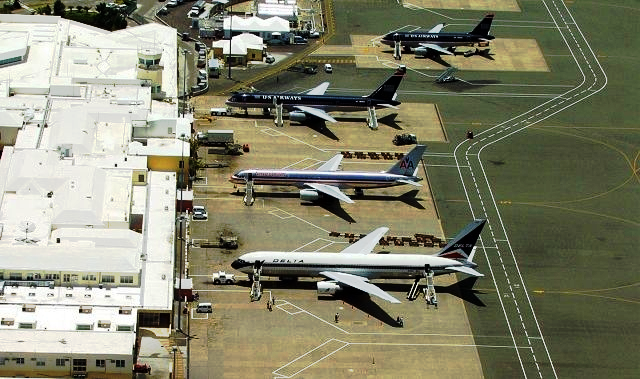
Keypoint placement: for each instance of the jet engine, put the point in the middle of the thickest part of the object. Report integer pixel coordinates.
(309, 195)
(297, 116)
(329, 287)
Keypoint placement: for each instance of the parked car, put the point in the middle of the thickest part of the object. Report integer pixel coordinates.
(299, 40)
(200, 212)
(314, 34)
(275, 42)
(172, 3)
(328, 68)
(269, 58)
(204, 308)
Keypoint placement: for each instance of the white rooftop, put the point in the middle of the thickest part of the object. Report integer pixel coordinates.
(69, 342)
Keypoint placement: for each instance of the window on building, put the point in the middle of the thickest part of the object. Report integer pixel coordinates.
(104, 324)
(125, 310)
(19, 361)
(7, 321)
(128, 279)
(120, 362)
(60, 362)
(1, 275)
(15, 276)
(181, 164)
(108, 279)
(30, 276)
(124, 328)
(26, 325)
(89, 277)
(101, 363)
(66, 278)
(84, 327)
(40, 363)
(2, 361)
(141, 178)
(52, 276)
(37, 276)
(80, 365)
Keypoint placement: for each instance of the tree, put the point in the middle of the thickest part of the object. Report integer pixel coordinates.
(16, 4)
(46, 10)
(58, 8)
(70, 8)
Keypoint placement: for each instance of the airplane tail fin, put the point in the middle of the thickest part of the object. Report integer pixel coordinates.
(462, 246)
(387, 90)
(409, 163)
(483, 28)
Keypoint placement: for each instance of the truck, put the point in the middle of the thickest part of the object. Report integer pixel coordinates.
(404, 139)
(222, 277)
(215, 137)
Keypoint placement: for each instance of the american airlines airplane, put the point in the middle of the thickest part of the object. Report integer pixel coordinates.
(328, 181)
(355, 266)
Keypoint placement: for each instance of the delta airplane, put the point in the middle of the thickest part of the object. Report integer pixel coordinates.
(434, 40)
(316, 104)
(326, 180)
(355, 266)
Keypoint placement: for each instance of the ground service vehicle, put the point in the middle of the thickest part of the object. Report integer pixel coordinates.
(215, 137)
(222, 277)
(204, 308)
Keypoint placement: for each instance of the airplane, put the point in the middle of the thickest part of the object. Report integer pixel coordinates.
(316, 104)
(328, 181)
(435, 41)
(354, 266)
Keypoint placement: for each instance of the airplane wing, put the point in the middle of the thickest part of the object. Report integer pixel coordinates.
(436, 48)
(360, 283)
(366, 244)
(315, 112)
(331, 191)
(410, 182)
(437, 28)
(465, 270)
(319, 90)
(332, 164)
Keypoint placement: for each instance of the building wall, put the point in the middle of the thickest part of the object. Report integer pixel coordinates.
(74, 278)
(8, 136)
(62, 364)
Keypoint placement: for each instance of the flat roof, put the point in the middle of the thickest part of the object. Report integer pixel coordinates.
(67, 342)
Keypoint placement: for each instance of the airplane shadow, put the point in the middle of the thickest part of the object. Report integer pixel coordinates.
(334, 206)
(390, 121)
(320, 126)
(408, 198)
(363, 302)
(461, 86)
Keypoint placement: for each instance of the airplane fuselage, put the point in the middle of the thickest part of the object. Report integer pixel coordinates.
(417, 38)
(372, 266)
(289, 102)
(340, 179)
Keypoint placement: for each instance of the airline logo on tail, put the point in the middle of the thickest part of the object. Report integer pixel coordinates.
(407, 164)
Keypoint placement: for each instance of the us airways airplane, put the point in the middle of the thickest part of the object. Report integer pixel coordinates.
(355, 266)
(436, 41)
(315, 103)
(326, 180)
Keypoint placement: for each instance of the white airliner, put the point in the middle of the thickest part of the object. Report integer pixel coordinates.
(355, 266)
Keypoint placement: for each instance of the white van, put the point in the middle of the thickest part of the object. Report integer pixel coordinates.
(204, 308)
(327, 68)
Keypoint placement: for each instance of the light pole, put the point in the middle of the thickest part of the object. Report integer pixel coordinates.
(181, 237)
(230, 37)
(184, 82)
(174, 349)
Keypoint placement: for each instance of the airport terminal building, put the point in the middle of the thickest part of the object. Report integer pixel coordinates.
(92, 148)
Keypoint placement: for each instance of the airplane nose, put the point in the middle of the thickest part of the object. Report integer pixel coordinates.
(236, 264)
